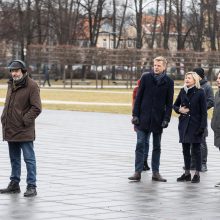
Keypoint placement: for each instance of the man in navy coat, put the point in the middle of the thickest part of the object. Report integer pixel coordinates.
(151, 113)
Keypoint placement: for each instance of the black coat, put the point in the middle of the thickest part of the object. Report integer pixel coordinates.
(154, 102)
(195, 119)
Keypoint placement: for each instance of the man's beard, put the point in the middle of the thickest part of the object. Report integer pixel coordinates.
(17, 78)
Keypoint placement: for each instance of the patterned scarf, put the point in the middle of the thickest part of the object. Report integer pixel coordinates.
(158, 77)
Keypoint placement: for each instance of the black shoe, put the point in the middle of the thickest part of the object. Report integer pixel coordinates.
(146, 167)
(157, 177)
(184, 177)
(195, 179)
(204, 168)
(31, 191)
(13, 187)
(135, 177)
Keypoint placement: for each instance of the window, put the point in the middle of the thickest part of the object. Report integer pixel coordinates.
(104, 43)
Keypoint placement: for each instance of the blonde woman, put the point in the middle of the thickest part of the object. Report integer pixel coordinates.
(191, 105)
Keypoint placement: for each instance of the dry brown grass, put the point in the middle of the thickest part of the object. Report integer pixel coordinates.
(89, 95)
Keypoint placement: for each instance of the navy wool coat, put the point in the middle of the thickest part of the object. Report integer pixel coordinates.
(154, 102)
(195, 119)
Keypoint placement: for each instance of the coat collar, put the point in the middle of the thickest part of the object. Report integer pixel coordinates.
(19, 84)
(161, 81)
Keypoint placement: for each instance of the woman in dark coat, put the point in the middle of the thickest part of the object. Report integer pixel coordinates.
(191, 105)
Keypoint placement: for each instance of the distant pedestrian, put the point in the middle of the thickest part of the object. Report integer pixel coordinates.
(46, 75)
(151, 114)
(22, 106)
(146, 148)
(215, 122)
(191, 105)
(209, 94)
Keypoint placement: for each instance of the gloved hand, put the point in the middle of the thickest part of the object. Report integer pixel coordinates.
(164, 124)
(200, 131)
(135, 120)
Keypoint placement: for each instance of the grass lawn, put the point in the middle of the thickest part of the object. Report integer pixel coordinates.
(122, 96)
(119, 96)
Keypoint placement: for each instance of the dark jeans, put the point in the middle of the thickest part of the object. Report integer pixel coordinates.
(146, 148)
(29, 158)
(143, 138)
(195, 148)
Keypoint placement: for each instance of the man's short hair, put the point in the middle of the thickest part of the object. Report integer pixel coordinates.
(160, 58)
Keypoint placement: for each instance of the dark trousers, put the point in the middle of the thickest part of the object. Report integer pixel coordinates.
(48, 82)
(204, 153)
(196, 151)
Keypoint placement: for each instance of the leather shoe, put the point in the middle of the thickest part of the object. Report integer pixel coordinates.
(31, 191)
(157, 177)
(184, 177)
(195, 179)
(135, 177)
(13, 187)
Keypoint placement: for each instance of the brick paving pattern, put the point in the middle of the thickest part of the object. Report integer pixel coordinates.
(84, 160)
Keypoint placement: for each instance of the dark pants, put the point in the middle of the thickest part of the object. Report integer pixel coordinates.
(142, 138)
(146, 149)
(196, 151)
(48, 82)
(204, 153)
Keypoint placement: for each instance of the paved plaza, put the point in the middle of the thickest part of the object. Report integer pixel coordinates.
(84, 160)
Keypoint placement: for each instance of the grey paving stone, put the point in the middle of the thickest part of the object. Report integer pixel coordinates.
(84, 160)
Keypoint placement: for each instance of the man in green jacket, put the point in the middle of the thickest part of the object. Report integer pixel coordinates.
(22, 106)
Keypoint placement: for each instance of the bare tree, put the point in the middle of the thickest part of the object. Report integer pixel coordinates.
(211, 6)
(61, 19)
(139, 15)
(94, 13)
(196, 18)
(121, 22)
(154, 25)
(167, 23)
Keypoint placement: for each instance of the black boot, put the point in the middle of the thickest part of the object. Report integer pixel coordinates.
(31, 191)
(135, 177)
(146, 167)
(184, 177)
(195, 179)
(13, 187)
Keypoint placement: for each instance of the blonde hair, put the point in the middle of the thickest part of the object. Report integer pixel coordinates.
(160, 58)
(195, 77)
